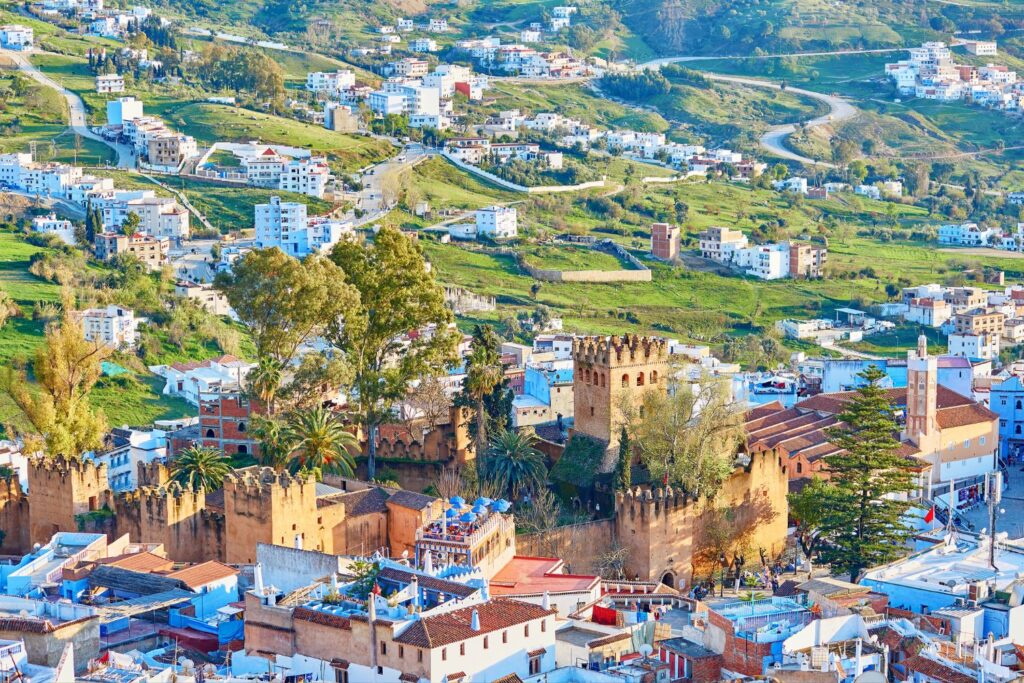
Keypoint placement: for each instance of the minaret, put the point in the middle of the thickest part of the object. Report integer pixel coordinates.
(922, 388)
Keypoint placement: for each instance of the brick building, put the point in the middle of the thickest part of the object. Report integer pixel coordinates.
(665, 241)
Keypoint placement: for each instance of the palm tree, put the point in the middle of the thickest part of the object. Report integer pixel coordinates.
(264, 381)
(483, 374)
(275, 446)
(200, 467)
(513, 461)
(321, 442)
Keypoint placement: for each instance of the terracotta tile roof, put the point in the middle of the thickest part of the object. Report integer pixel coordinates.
(936, 670)
(455, 626)
(959, 416)
(411, 499)
(537, 575)
(315, 616)
(365, 502)
(200, 575)
(460, 590)
(510, 678)
(138, 562)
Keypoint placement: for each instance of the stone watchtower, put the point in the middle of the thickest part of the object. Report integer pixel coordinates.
(263, 506)
(610, 373)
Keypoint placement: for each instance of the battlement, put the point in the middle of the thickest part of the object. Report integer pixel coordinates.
(616, 351)
(56, 466)
(153, 474)
(261, 482)
(651, 501)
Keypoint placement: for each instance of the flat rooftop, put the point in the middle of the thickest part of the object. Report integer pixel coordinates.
(538, 575)
(951, 566)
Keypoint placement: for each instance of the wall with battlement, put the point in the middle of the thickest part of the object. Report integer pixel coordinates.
(668, 535)
(61, 489)
(175, 516)
(262, 506)
(14, 517)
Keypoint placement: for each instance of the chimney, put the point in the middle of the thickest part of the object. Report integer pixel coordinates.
(475, 622)
(546, 601)
(258, 579)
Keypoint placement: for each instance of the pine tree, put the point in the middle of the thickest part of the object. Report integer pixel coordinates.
(864, 519)
(624, 468)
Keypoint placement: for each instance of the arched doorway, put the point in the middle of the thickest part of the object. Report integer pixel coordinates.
(669, 579)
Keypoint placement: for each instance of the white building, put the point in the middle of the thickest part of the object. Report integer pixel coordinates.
(109, 83)
(330, 82)
(51, 225)
(982, 48)
(123, 109)
(306, 176)
(16, 37)
(982, 346)
(406, 99)
(966, 235)
(130, 448)
(497, 222)
(438, 26)
(197, 378)
(112, 326)
(423, 45)
(286, 226)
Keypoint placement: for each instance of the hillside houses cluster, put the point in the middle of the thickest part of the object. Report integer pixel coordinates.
(974, 235)
(156, 145)
(521, 60)
(16, 37)
(764, 261)
(286, 226)
(476, 151)
(275, 167)
(931, 73)
(411, 90)
(160, 218)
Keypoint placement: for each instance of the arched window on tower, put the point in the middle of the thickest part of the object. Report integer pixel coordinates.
(640, 380)
(654, 376)
(625, 380)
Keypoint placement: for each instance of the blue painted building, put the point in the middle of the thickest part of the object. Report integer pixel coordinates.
(841, 374)
(1007, 401)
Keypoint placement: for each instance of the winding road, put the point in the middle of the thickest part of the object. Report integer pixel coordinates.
(774, 139)
(76, 109)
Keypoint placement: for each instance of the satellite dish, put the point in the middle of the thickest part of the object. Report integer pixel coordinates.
(870, 677)
(646, 650)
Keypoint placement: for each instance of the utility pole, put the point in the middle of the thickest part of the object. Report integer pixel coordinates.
(993, 494)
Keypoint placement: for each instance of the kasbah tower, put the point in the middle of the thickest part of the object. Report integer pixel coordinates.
(665, 529)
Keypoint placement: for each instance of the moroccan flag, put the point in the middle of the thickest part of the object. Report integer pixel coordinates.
(930, 515)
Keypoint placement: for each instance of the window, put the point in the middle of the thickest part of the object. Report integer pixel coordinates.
(340, 676)
(654, 376)
(504, 636)
(586, 376)
(981, 441)
(535, 665)
(625, 380)
(640, 380)
(419, 656)
(444, 654)
(462, 649)
(241, 426)
(401, 652)
(526, 631)
(1002, 400)
(383, 648)
(543, 626)
(967, 443)
(592, 415)
(1018, 404)
(380, 670)
(799, 467)
(210, 434)
(1016, 430)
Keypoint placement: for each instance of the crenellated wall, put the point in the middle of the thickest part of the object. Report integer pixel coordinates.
(175, 516)
(60, 489)
(14, 517)
(670, 537)
(263, 506)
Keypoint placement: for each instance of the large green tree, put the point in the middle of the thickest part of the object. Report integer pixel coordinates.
(285, 303)
(66, 368)
(397, 332)
(864, 516)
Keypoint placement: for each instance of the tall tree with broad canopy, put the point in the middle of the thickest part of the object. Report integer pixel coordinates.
(864, 518)
(385, 337)
(66, 368)
(285, 303)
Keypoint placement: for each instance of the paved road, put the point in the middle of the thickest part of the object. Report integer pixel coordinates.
(125, 158)
(660, 62)
(371, 197)
(774, 140)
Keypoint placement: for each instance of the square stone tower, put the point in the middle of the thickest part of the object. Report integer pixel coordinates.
(610, 372)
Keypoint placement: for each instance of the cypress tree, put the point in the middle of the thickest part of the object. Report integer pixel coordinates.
(624, 474)
(865, 515)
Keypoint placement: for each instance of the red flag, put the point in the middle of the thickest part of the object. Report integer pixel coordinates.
(930, 516)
